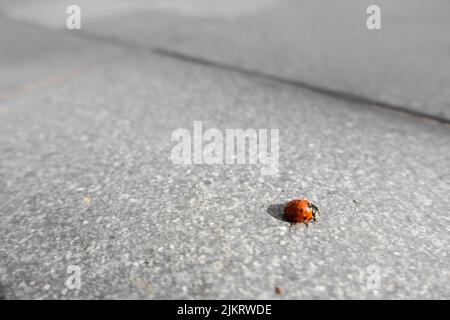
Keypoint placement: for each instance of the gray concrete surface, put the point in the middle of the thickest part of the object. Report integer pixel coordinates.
(86, 179)
(33, 59)
(321, 43)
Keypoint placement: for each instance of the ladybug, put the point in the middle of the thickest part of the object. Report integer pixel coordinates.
(301, 211)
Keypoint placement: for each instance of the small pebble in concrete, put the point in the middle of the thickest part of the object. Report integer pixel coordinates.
(279, 290)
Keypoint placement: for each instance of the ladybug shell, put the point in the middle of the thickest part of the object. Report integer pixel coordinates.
(299, 210)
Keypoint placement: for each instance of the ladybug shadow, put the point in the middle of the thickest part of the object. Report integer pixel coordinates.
(276, 211)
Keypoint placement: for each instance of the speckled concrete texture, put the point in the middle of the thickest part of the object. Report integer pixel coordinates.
(86, 180)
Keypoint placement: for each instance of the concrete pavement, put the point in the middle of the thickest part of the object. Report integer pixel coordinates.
(322, 44)
(86, 180)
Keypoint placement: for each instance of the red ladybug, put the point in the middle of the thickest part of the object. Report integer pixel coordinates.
(301, 211)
